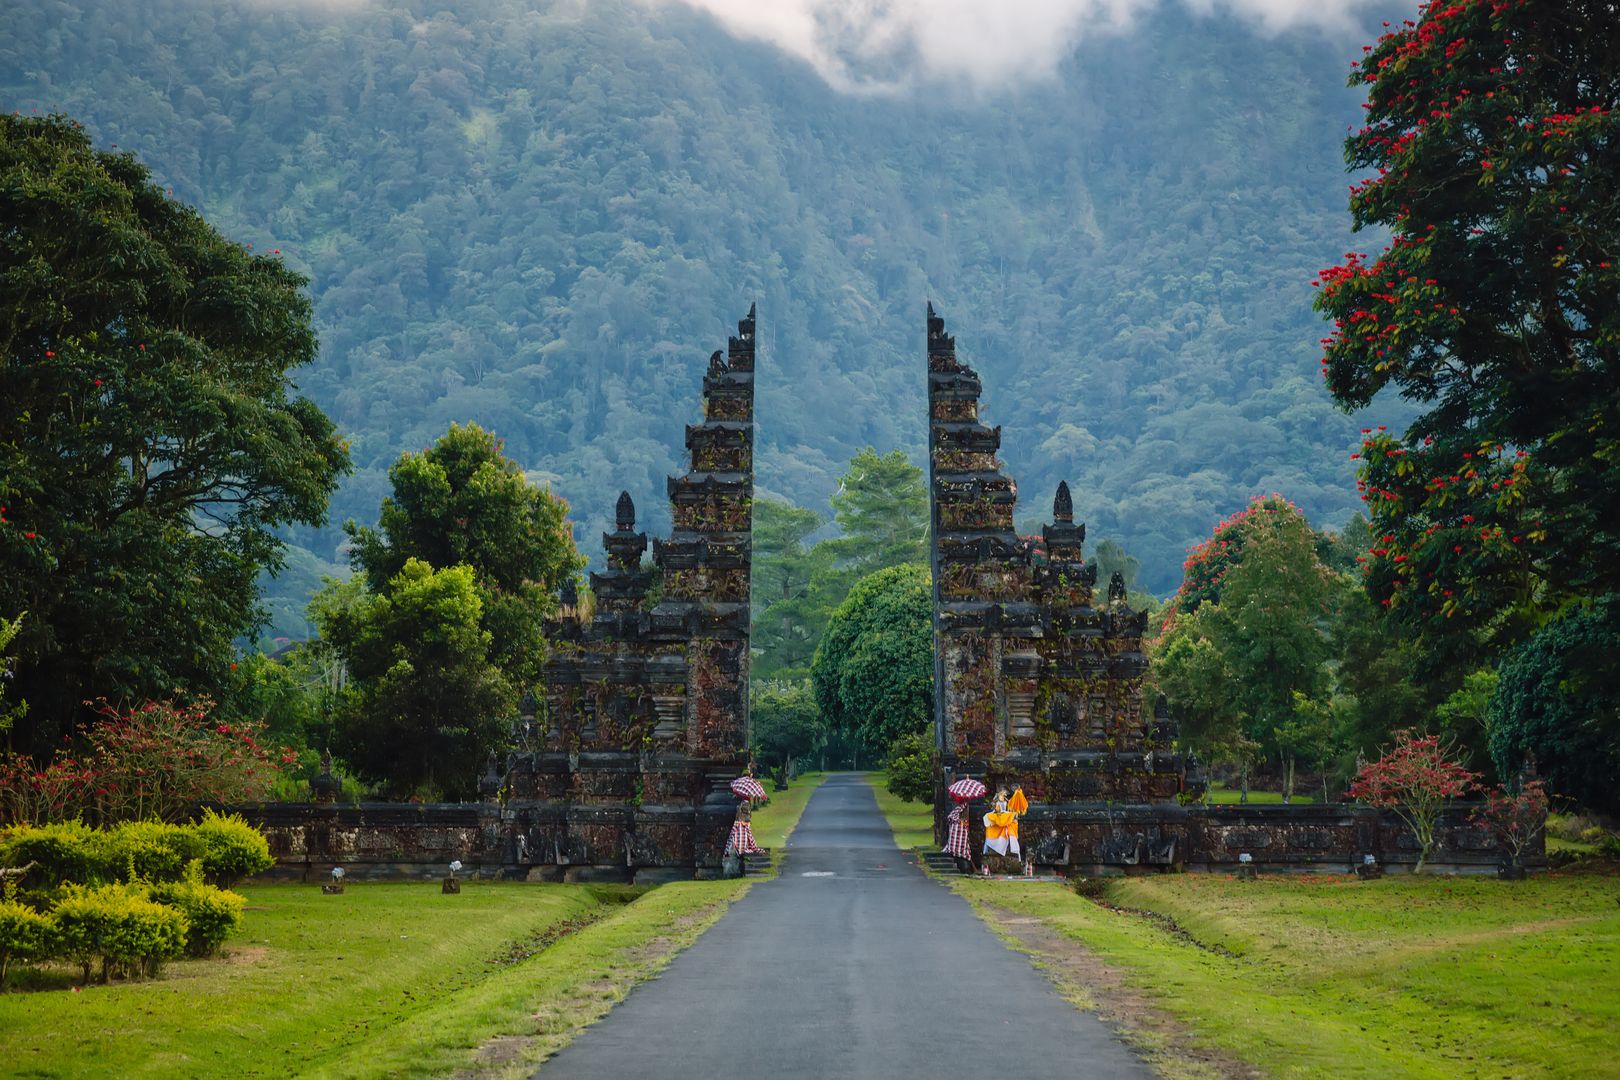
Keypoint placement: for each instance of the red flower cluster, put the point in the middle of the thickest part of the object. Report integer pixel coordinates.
(160, 759)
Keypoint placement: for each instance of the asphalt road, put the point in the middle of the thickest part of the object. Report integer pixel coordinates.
(851, 963)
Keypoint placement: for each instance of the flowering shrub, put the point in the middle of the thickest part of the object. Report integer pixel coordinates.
(1415, 779)
(157, 760)
(1514, 819)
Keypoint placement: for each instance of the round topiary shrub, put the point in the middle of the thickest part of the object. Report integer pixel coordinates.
(25, 935)
(121, 927)
(148, 851)
(67, 851)
(211, 913)
(230, 848)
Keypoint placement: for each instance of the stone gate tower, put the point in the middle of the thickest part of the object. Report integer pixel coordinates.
(1037, 679)
(646, 709)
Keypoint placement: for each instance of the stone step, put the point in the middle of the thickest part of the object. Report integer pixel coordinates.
(758, 863)
(940, 863)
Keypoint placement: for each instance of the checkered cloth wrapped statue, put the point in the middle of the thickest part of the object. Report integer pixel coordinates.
(742, 841)
(956, 839)
(742, 836)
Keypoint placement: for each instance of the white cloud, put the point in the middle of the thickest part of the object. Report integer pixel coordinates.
(881, 45)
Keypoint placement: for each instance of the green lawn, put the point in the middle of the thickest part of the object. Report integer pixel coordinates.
(1220, 793)
(911, 822)
(774, 822)
(1412, 977)
(384, 980)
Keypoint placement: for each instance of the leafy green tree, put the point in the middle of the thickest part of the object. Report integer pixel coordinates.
(427, 700)
(1461, 719)
(786, 725)
(873, 671)
(1110, 557)
(1239, 662)
(1558, 701)
(1316, 733)
(9, 714)
(1209, 561)
(1375, 674)
(881, 509)
(911, 768)
(462, 502)
(150, 447)
(1494, 148)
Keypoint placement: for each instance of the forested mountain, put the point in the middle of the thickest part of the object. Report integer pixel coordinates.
(542, 216)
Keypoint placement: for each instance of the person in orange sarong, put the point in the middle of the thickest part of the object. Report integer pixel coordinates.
(1001, 823)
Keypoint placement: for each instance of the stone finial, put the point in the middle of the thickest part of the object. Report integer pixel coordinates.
(325, 787)
(1116, 588)
(568, 594)
(1063, 503)
(624, 514)
(717, 362)
(1161, 709)
(489, 786)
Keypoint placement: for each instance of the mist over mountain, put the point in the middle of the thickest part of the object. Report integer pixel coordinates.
(543, 216)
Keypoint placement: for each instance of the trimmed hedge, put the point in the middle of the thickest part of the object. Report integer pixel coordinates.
(211, 913)
(130, 933)
(126, 898)
(231, 848)
(25, 935)
(227, 847)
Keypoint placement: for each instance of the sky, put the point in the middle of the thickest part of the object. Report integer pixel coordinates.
(886, 45)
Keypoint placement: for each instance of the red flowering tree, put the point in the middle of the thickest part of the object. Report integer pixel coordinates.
(1492, 153)
(157, 760)
(1515, 819)
(1209, 561)
(1415, 778)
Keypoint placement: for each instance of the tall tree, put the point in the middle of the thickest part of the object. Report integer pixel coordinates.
(881, 507)
(462, 502)
(785, 725)
(1242, 659)
(1557, 703)
(873, 673)
(789, 610)
(150, 446)
(426, 701)
(1494, 151)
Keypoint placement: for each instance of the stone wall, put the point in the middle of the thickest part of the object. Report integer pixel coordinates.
(377, 841)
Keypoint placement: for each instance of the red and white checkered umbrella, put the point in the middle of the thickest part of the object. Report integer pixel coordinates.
(746, 787)
(966, 789)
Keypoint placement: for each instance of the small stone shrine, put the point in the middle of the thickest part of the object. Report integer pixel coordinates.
(645, 719)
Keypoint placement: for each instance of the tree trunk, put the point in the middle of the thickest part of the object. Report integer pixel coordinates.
(1288, 779)
(1243, 779)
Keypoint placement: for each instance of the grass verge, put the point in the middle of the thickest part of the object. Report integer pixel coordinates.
(912, 823)
(774, 823)
(1319, 976)
(384, 980)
